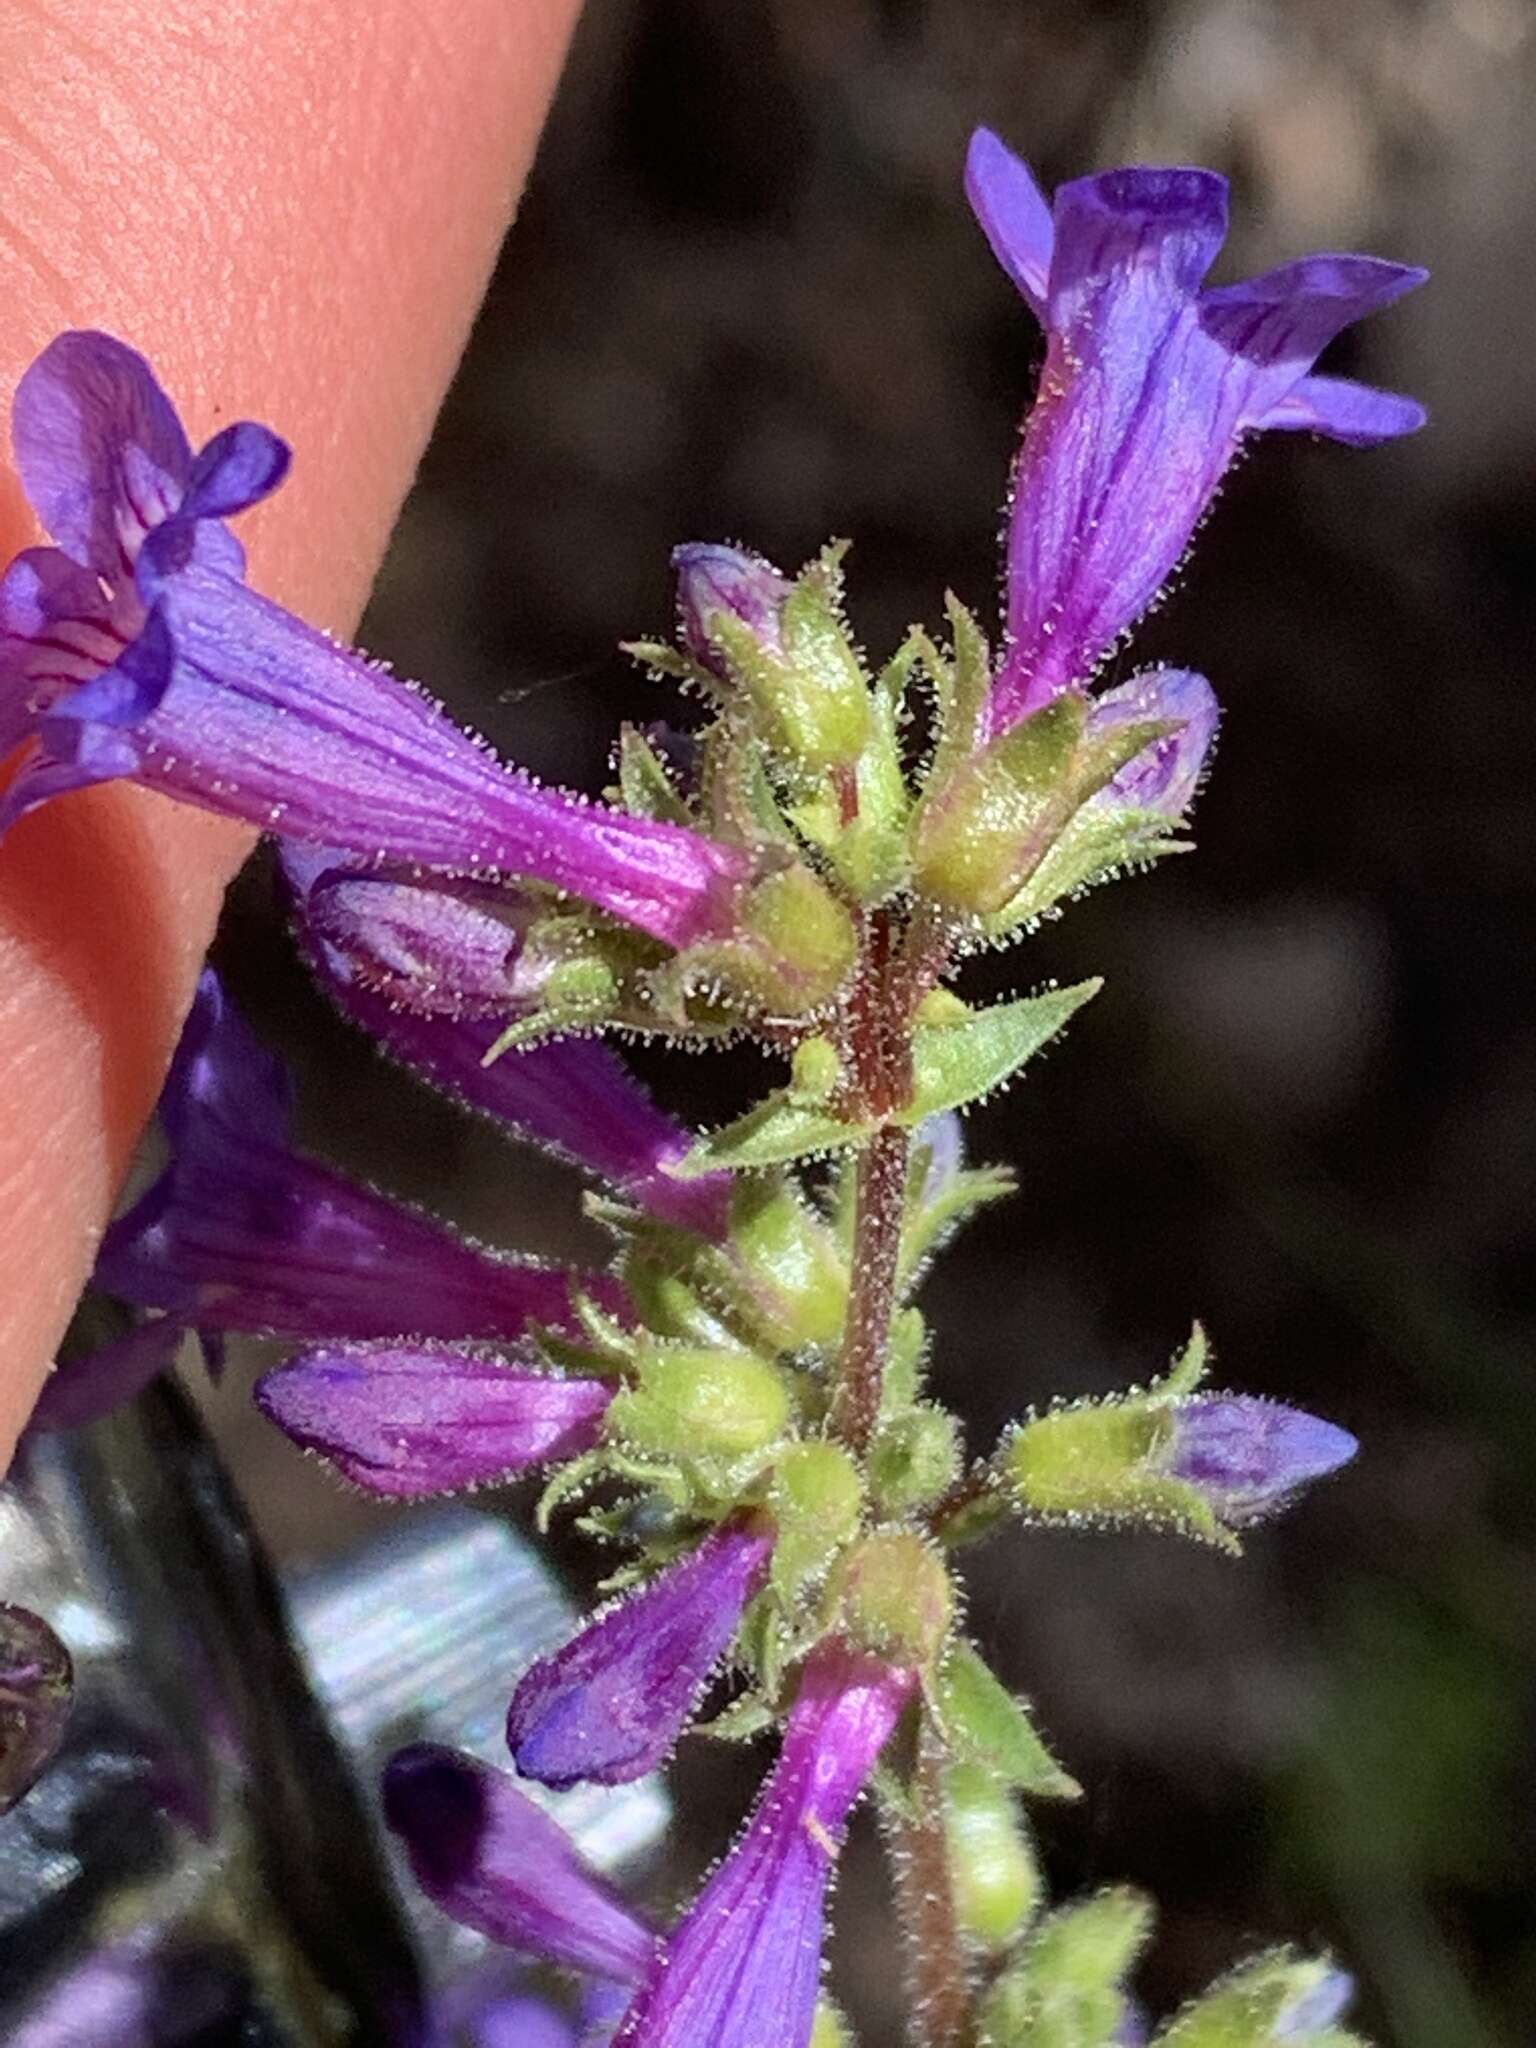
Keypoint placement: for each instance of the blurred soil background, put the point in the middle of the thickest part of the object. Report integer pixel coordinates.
(745, 300)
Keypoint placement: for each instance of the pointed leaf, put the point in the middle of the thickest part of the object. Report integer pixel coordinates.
(954, 1064)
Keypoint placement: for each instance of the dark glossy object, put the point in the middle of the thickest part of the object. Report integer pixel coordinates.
(196, 1869)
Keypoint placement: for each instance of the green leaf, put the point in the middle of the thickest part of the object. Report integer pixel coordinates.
(644, 784)
(984, 1724)
(776, 1130)
(957, 1063)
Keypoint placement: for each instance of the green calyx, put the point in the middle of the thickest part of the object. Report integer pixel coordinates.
(1104, 1460)
(1066, 1987)
(690, 1404)
(892, 1594)
(994, 1877)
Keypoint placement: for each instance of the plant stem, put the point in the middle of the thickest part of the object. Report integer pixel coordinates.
(938, 1977)
(880, 1207)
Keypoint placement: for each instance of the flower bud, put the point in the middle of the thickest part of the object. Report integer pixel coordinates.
(1210, 1461)
(914, 1458)
(798, 942)
(815, 1500)
(690, 1403)
(1165, 775)
(993, 1874)
(783, 645)
(1277, 2001)
(1067, 1983)
(988, 825)
(894, 1597)
(795, 1275)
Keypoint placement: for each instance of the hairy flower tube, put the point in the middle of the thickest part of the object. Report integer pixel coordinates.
(611, 1704)
(744, 1966)
(736, 1407)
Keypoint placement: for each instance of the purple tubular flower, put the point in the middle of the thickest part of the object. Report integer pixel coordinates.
(243, 1233)
(713, 579)
(1249, 1456)
(1150, 383)
(572, 1095)
(97, 1382)
(494, 1861)
(137, 650)
(610, 1705)
(1164, 776)
(406, 1421)
(744, 1967)
(36, 1682)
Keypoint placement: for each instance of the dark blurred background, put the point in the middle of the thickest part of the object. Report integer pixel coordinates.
(744, 299)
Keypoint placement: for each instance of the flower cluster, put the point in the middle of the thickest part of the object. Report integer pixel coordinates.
(737, 1403)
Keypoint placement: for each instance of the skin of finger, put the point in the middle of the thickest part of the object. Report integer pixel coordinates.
(291, 207)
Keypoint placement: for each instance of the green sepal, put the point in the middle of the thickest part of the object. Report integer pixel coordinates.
(868, 852)
(906, 1354)
(645, 787)
(995, 1881)
(1098, 844)
(742, 1719)
(815, 1498)
(831, 2029)
(984, 1724)
(808, 696)
(962, 682)
(711, 1414)
(791, 1272)
(914, 1458)
(780, 1128)
(958, 1063)
(1066, 1988)
(566, 1483)
(930, 1221)
(1247, 2009)
(663, 659)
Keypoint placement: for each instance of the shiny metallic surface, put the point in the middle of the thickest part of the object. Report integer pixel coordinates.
(203, 1864)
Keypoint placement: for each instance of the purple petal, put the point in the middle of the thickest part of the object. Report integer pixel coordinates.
(1164, 776)
(494, 1861)
(228, 702)
(1285, 318)
(522, 2022)
(405, 1422)
(36, 1682)
(86, 1388)
(1316, 2010)
(572, 1094)
(1345, 411)
(610, 1705)
(240, 1232)
(744, 1967)
(238, 468)
(1151, 232)
(1014, 213)
(1249, 1456)
(101, 451)
(713, 579)
(56, 631)
(429, 949)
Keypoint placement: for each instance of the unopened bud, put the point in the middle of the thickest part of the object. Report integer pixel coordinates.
(895, 1597)
(993, 1874)
(797, 944)
(979, 835)
(1070, 1975)
(783, 645)
(794, 1273)
(691, 1403)
(1163, 776)
(914, 1458)
(1277, 2001)
(815, 1500)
